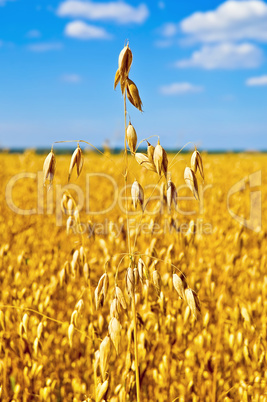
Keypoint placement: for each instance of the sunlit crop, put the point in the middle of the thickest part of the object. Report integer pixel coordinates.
(133, 277)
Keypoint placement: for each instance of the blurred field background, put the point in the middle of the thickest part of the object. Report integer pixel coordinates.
(221, 356)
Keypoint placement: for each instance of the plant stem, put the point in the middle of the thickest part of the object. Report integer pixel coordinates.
(126, 171)
(137, 380)
(129, 245)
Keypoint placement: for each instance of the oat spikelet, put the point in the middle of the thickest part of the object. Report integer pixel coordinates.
(160, 160)
(99, 298)
(63, 203)
(101, 390)
(171, 194)
(136, 276)
(117, 78)
(71, 334)
(2, 320)
(133, 94)
(137, 194)
(49, 168)
(104, 356)
(140, 267)
(130, 282)
(196, 163)
(192, 301)
(70, 225)
(115, 308)
(114, 330)
(131, 137)
(40, 330)
(76, 159)
(144, 161)
(191, 181)
(80, 305)
(178, 286)
(125, 62)
(74, 317)
(120, 297)
(156, 278)
(36, 346)
(25, 322)
(101, 290)
(70, 206)
(150, 152)
(142, 270)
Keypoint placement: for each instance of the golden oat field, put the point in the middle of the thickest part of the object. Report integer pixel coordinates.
(66, 334)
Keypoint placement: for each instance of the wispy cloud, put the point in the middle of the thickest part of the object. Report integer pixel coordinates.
(45, 47)
(81, 30)
(180, 88)
(257, 81)
(224, 56)
(33, 34)
(71, 78)
(169, 30)
(231, 21)
(117, 11)
(3, 2)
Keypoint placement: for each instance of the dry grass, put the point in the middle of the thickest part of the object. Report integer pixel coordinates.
(219, 357)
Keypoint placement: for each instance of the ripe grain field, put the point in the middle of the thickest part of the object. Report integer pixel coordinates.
(57, 342)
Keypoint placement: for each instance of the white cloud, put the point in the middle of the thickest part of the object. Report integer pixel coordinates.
(3, 2)
(71, 78)
(81, 30)
(231, 21)
(34, 33)
(169, 29)
(117, 11)
(164, 43)
(45, 47)
(180, 88)
(257, 81)
(225, 56)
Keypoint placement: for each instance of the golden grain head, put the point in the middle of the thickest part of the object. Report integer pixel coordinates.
(150, 152)
(160, 160)
(114, 330)
(191, 181)
(144, 162)
(178, 286)
(196, 163)
(115, 308)
(76, 159)
(117, 78)
(104, 356)
(49, 168)
(133, 94)
(130, 282)
(120, 297)
(131, 137)
(125, 61)
(141, 269)
(156, 279)
(101, 391)
(137, 193)
(171, 194)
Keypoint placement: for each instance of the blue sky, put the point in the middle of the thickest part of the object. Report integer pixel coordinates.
(200, 68)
